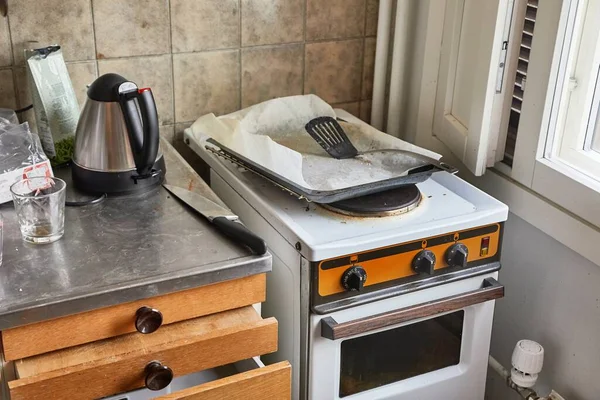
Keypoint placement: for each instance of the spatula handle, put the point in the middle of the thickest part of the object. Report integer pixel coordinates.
(240, 234)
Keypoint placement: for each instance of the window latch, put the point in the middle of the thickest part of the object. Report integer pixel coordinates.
(572, 84)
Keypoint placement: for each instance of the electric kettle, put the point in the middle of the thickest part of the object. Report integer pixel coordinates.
(116, 141)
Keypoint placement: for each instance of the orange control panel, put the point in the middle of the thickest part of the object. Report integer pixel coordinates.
(427, 256)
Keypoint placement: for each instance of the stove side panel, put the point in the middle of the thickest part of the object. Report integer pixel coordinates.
(287, 286)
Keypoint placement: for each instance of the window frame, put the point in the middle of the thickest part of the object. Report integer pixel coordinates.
(533, 166)
(579, 100)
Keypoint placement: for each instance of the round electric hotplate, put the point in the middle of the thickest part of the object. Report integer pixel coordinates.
(390, 202)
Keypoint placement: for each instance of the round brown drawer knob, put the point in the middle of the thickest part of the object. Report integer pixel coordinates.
(158, 376)
(148, 320)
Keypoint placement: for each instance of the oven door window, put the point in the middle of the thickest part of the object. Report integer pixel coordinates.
(390, 356)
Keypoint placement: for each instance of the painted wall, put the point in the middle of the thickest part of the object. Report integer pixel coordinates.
(552, 297)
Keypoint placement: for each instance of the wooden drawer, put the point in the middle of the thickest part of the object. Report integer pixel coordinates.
(267, 383)
(247, 379)
(103, 323)
(118, 364)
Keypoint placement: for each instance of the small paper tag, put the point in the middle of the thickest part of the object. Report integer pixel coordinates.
(38, 171)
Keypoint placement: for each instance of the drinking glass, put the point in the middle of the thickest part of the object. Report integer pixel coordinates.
(40, 206)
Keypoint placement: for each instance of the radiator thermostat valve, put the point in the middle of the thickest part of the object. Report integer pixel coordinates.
(527, 362)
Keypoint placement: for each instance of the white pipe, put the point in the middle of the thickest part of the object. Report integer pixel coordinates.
(499, 368)
(397, 74)
(381, 62)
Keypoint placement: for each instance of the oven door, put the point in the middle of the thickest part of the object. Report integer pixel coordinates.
(428, 344)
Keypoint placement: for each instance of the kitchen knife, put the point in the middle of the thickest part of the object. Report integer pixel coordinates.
(220, 217)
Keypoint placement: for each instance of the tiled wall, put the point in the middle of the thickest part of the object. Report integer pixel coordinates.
(201, 56)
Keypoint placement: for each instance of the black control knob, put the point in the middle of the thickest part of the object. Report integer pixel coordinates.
(158, 376)
(424, 262)
(147, 319)
(354, 278)
(456, 255)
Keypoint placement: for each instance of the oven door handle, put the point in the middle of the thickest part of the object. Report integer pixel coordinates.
(490, 290)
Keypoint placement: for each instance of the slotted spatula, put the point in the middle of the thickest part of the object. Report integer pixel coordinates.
(331, 137)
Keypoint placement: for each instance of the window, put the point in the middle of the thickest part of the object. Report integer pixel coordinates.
(521, 96)
(574, 139)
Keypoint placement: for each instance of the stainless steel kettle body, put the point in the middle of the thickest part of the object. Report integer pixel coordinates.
(102, 141)
(116, 141)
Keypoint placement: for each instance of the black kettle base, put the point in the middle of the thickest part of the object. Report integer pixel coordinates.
(117, 183)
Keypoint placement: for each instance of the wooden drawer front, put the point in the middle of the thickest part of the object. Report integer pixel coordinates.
(103, 323)
(268, 383)
(116, 365)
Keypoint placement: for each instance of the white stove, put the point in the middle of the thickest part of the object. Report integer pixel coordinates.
(393, 307)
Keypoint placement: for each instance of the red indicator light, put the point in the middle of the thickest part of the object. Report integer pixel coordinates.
(485, 246)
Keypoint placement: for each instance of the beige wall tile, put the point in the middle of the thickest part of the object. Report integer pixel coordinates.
(365, 111)
(135, 38)
(179, 128)
(5, 49)
(150, 71)
(29, 117)
(334, 19)
(131, 28)
(7, 89)
(269, 72)
(332, 70)
(368, 68)
(372, 14)
(167, 131)
(24, 97)
(272, 21)
(206, 82)
(23, 91)
(204, 24)
(82, 74)
(353, 108)
(188, 154)
(66, 22)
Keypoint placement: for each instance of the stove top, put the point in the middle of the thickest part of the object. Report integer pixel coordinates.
(383, 204)
(447, 204)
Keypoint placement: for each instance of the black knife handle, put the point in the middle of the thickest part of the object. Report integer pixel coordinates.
(240, 233)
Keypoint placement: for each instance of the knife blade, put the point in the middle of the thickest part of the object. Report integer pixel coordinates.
(222, 218)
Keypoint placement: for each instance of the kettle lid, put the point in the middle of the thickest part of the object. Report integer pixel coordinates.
(105, 88)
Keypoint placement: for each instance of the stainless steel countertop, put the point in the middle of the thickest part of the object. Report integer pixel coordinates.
(121, 250)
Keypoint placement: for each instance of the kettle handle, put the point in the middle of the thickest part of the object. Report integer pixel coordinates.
(143, 135)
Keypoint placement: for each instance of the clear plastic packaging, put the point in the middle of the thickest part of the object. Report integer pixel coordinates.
(54, 102)
(8, 116)
(19, 147)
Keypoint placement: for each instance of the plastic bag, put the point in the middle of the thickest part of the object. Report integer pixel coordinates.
(54, 102)
(8, 116)
(19, 147)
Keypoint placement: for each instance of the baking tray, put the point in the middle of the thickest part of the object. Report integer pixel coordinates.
(414, 176)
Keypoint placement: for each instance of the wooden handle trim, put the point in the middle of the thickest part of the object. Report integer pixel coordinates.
(491, 290)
